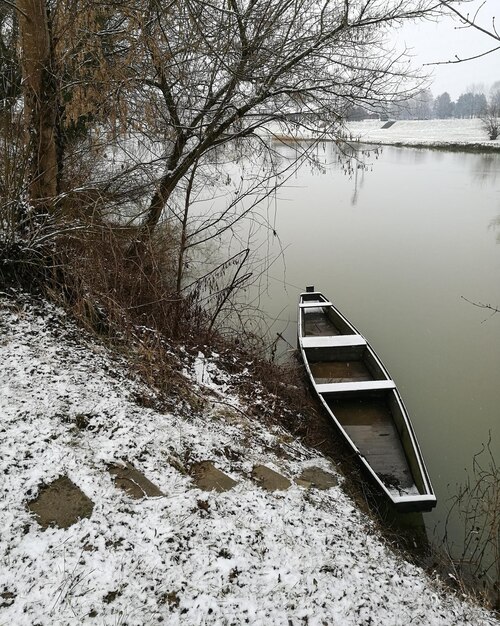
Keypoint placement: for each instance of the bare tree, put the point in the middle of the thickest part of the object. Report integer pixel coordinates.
(144, 93)
(494, 98)
(240, 65)
(195, 74)
(10, 69)
(40, 104)
(75, 60)
(472, 20)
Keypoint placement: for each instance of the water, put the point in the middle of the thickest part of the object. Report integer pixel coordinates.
(400, 248)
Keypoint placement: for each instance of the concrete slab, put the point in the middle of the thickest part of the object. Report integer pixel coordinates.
(60, 503)
(269, 479)
(133, 482)
(318, 478)
(207, 477)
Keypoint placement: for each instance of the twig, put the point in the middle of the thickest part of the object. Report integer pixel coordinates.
(489, 307)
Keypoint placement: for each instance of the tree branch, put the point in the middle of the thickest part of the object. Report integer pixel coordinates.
(469, 22)
(489, 307)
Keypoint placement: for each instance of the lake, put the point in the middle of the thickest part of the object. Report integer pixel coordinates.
(402, 248)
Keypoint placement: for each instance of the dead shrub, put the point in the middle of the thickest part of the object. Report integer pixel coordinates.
(128, 300)
(475, 509)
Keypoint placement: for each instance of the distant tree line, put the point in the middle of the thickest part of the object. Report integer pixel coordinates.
(473, 103)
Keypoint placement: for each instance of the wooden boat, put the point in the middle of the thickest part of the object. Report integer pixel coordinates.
(363, 401)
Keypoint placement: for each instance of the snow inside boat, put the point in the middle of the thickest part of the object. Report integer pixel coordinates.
(363, 401)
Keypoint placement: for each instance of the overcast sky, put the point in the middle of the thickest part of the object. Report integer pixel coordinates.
(431, 42)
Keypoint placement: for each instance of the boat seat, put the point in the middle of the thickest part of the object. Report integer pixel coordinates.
(314, 304)
(332, 341)
(363, 385)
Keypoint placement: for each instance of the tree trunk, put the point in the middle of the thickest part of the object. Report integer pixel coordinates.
(40, 102)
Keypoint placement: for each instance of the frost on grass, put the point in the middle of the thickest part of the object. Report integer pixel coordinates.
(184, 556)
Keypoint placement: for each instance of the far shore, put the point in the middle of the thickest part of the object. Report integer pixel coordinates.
(445, 147)
(450, 135)
(453, 135)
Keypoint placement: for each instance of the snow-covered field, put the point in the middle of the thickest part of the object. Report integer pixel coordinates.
(452, 133)
(423, 132)
(243, 556)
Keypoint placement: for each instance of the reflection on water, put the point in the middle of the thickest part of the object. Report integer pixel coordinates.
(495, 225)
(396, 245)
(485, 168)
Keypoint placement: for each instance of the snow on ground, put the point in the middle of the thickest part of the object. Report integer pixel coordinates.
(437, 133)
(422, 132)
(245, 556)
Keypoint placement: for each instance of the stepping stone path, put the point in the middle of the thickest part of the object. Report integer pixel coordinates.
(207, 477)
(133, 482)
(269, 479)
(61, 503)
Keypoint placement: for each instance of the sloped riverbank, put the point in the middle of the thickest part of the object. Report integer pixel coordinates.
(192, 516)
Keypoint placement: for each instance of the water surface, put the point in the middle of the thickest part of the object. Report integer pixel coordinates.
(401, 248)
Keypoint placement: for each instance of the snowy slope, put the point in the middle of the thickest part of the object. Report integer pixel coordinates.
(423, 132)
(244, 556)
(437, 133)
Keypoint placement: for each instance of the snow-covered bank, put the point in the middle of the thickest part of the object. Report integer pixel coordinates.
(438, 133)
(246, 555)
(446, 134)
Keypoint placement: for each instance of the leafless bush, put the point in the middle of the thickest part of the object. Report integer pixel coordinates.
(476, 508)
(491, 122)
(99, 273)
